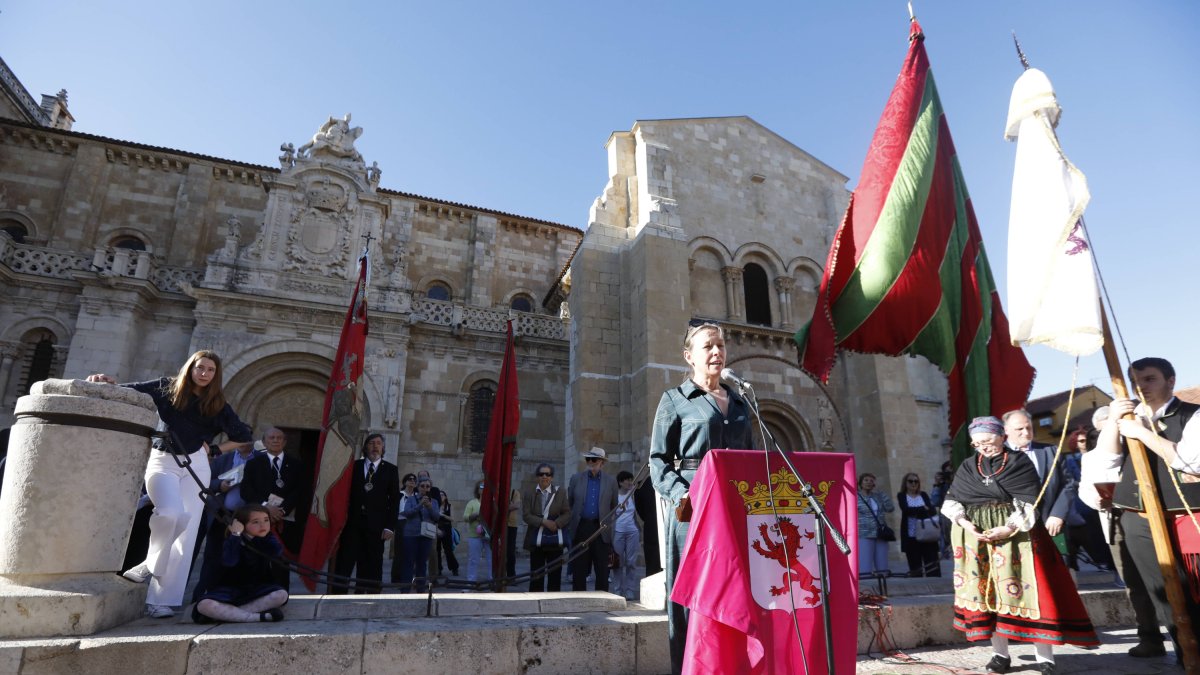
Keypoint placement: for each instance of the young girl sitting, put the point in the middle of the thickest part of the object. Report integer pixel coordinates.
(243, 590)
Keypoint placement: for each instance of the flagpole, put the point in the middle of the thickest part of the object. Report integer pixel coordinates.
(1154, 513)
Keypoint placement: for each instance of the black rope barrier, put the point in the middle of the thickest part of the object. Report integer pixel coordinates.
(423, 584)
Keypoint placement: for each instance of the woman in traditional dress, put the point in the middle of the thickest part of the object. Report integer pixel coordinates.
(1010, 582)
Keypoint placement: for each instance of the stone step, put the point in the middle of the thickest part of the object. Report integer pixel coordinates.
(466, 632)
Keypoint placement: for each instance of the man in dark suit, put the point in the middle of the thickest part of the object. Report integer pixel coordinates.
(592, 495)
(276, 480)
(370, 520)
(1056, 502)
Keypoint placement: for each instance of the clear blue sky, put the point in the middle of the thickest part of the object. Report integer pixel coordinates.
(508, 105)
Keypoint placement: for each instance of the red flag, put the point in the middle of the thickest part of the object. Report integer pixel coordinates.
(340, 434)
(739, 563)
(907, 272)
(498, 455)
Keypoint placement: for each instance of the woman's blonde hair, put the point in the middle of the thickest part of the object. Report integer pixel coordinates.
(211, 398)
(700, 327)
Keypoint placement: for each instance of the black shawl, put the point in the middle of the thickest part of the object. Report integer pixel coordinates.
(1018, 480)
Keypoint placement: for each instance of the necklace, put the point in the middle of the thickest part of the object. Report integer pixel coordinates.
(987, 477)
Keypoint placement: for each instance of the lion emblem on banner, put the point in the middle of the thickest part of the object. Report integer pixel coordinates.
(780, 533)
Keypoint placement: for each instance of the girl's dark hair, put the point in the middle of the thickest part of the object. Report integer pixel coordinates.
(242, 515)
(404, 480)
(624, 476)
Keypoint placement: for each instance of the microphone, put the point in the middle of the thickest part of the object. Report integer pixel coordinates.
(732, 377)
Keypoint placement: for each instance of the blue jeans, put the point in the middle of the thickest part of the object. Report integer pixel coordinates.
(479, 559)
(415, 549)
(872, 556)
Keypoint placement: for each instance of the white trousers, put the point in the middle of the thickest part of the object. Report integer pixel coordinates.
(174, 523)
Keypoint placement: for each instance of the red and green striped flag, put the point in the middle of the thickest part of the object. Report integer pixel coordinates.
(907, 272)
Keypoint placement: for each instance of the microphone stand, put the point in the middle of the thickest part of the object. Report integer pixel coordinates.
(814, 504)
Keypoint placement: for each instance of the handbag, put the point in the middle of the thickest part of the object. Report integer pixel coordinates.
(928, 531)
(882, 532)
(544, 539)
(429, 530)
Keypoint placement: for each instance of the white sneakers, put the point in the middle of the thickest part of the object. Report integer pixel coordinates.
(138, 575)
(159, 611)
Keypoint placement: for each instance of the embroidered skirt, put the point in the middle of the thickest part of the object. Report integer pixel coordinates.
(1019, 588)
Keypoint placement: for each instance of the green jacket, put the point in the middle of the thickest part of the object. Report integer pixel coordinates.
(686, 426)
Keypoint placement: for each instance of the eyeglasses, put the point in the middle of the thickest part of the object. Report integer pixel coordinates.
(694, 326)
(912, 480)
(591, 460)
(982, 444)
(543, 474)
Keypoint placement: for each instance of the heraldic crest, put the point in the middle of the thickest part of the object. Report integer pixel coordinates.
(780, 528)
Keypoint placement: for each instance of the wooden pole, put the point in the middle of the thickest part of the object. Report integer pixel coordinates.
(1161, 535)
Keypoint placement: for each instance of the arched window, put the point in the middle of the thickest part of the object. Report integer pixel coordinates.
(39, 359)
(16, 230)
(522, 303)
(438, 291)
(758, 296)
(478, 415)
(130, 242)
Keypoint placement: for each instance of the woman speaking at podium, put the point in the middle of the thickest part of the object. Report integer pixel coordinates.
(700, 414)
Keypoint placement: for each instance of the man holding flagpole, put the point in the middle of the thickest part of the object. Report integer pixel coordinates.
(1168, 427)
(1054, 300)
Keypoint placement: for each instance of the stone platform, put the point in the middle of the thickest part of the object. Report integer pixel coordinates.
(472, 633)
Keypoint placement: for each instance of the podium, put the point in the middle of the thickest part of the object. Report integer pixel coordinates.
(750, 567)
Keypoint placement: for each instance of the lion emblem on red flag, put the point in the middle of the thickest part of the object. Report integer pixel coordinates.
(786, 552)
(780, 533)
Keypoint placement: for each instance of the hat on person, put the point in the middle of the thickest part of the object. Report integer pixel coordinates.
(986, 425)
(596, 453)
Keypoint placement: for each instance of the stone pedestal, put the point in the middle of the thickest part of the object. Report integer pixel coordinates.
(76, 457)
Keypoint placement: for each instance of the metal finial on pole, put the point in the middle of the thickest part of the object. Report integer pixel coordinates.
(911, 16)
(1020, 54)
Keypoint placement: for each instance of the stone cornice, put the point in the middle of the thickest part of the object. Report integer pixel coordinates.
(38, 139)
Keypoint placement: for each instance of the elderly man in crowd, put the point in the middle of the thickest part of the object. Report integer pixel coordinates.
(1056, 502)
(592, 495)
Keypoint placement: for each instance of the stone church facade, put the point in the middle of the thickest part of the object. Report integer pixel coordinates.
(123, 258)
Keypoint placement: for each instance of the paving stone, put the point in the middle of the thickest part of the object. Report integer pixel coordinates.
(483, 645)
(289, 647)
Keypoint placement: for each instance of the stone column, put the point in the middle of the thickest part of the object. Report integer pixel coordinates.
(76, 458)
(783, 290)
(734, 295)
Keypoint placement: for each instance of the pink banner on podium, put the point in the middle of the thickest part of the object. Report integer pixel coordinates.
(744, 568)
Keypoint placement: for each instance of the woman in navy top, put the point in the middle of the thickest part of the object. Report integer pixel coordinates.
(192, 407)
